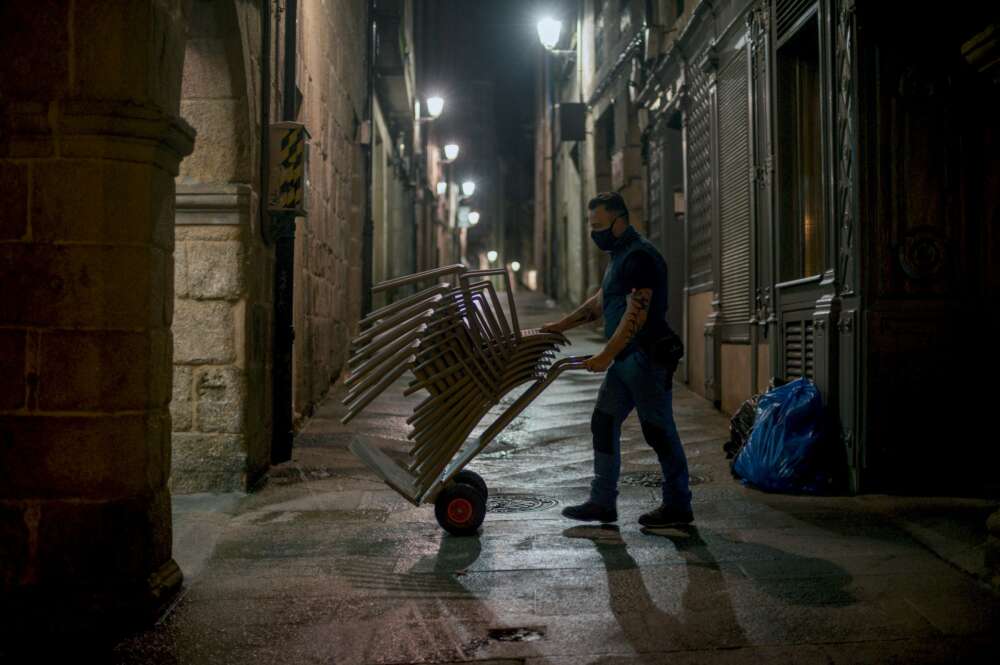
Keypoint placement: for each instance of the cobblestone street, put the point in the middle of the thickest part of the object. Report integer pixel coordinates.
(328, 565)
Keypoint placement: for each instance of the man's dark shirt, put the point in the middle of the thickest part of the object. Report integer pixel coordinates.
(639, 272)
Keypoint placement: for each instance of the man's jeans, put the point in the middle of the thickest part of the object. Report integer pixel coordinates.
(635, 382)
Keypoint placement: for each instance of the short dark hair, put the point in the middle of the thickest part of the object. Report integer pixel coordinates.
(611, 201)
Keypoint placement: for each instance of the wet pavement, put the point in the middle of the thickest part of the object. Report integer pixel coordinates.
(327, 565)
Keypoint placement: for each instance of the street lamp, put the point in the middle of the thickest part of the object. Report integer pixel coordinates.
(548, 32)
(442, 188)
(492, 255)
(435, 105)
(451, 152)
(473, 218)
(515, 265)
(468, 188)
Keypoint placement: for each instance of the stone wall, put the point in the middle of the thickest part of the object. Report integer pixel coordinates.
(328, 252)
(90, 140)
(221, 392)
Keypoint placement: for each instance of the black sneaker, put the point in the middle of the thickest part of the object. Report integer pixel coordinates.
(666, 516)
(590, 512)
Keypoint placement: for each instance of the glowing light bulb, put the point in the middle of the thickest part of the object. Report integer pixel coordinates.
(435, 105)
(548, 32)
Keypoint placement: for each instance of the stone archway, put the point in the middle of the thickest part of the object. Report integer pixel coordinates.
(90, 141)
(221, 417)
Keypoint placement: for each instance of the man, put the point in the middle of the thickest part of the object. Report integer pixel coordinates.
(633, 301)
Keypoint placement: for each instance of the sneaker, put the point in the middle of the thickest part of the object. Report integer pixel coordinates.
(666, 516)
(590, 512)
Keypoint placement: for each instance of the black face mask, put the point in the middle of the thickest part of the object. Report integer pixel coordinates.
(604, 239)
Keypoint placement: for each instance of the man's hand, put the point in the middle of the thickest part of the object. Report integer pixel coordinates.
(552, 328)
(599, 363)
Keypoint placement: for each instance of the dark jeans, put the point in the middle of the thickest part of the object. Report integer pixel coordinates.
(637, 383)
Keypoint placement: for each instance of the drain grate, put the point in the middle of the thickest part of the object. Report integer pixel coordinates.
(518, 503)
(652, 479)
(525, 634)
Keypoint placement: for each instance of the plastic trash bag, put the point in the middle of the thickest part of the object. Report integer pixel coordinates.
(785, 452)
(740, 426)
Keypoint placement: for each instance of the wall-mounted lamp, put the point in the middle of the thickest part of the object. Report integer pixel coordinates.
(549, 30)
(442, 188)
(492, 255)
(468, 188)
(473, 218)
(451, 152)
(435, 105)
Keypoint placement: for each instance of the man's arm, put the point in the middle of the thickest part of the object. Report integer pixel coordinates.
(631, 324)
(590, 310)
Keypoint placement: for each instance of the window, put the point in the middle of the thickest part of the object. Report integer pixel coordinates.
(801, 228)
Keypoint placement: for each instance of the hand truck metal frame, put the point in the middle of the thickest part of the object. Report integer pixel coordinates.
(455, 340)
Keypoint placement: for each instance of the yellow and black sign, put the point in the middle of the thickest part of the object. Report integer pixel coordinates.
(289, 173)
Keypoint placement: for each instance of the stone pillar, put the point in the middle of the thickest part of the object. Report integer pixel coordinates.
(90, 142)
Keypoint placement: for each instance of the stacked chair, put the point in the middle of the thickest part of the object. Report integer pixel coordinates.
(455, 341)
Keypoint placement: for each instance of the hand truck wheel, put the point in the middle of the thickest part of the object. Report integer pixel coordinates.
(460, 509)
(470, 477)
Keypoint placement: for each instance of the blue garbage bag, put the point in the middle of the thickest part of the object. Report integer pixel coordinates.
(785, 450)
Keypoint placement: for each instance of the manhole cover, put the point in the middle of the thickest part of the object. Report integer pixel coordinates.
(518, 503)
(652, 479)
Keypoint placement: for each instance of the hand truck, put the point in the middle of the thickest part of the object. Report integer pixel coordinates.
(457, 343)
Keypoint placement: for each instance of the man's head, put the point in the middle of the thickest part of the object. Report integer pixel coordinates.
(607, 209)
(608, 218)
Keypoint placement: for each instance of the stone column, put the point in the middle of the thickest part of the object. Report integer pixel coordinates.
(90, 142)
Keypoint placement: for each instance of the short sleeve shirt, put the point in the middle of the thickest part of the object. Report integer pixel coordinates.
(639, 272)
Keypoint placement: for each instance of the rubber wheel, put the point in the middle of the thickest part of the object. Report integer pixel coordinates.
(470, 477)
(460, 509)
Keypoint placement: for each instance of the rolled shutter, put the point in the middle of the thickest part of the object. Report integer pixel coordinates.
(734, 189)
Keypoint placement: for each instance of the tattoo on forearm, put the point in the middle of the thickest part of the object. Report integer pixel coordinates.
(631, 323)
(635, 316)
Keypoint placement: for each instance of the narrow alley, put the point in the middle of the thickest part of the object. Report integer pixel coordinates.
(285, 294)
(328, 565)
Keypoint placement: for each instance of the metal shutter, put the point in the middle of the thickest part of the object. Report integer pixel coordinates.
(734, 189)
(787, 12)
(699, 191)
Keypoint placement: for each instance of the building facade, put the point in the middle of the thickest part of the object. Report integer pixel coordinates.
(821, 177)
(163, 328)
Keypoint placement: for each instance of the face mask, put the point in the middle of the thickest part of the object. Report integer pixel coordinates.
(604, 239)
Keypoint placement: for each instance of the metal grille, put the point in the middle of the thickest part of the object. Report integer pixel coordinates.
(699, 179)
(734, 189)
(787, 12)
(655, 190)
(799, 349)
(845, 144)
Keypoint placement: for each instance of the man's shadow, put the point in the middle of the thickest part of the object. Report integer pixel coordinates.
(706, 613)
(706, 617)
